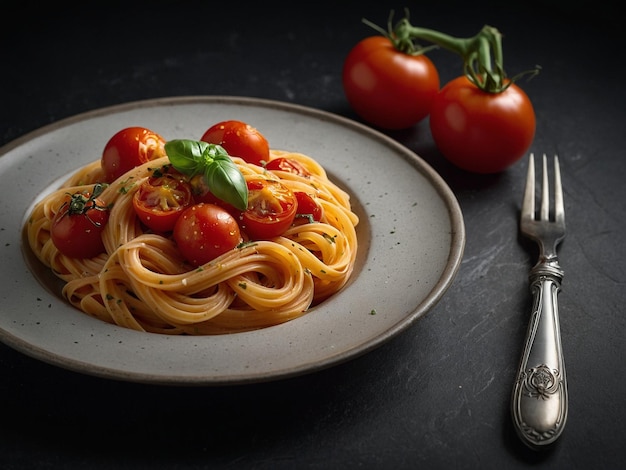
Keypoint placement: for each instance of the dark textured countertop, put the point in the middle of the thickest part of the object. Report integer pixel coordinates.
(435, 396)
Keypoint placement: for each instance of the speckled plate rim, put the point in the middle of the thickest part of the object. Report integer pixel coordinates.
(411, 234)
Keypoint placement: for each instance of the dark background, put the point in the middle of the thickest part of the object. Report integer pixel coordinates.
(437, 395)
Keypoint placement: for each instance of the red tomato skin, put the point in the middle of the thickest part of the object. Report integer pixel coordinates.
(210, 198)
(239, 139)
(79, 235)
(307, 206)
(386, 87)
(128, 148)
(205, 231)
(482, 132)
(160, 201)
(271, 209)
(287, 165)
(201, 193)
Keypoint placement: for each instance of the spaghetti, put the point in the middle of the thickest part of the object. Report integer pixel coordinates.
(142, 281)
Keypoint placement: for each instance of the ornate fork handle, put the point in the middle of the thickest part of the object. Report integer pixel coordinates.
(539, 403)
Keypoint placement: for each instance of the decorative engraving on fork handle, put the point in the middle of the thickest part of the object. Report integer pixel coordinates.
(539, 404)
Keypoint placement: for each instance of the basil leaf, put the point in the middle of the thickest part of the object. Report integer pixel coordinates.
(221, 174)
(226, 181)
(214, 151)
(187, 156)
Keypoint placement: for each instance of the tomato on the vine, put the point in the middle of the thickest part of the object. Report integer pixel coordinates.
(386, 87)
(479, 131)
(272, 208)
(239, 139)
(77, 228)
(161, 199)
(128, 148)
(482, 121)
(205, 231)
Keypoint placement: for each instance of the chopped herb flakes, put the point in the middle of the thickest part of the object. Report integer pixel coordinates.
(329, 238)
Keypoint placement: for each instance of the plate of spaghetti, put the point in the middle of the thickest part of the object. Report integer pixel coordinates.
(374, 251)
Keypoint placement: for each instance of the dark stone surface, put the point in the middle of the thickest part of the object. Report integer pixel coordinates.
(436, 396)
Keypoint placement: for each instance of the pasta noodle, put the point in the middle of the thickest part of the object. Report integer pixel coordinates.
(142, 281)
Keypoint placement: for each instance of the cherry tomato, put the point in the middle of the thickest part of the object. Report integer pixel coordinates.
(160, 200)
(76, 230)
(386, 87)
(479, 131)
(271, 209)
(201, 193)
(288, 165)
(239, 140)
(308, 209)
(205, 231)
(129, 148)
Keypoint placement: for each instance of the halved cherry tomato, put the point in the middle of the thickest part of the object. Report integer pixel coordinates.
(160, 200)
(76, 230)
(308, 209)
(272, 208)
(240, 140)
(387, 87)
(479, 131)
(288, 165)
(205, 231)
(128, 148)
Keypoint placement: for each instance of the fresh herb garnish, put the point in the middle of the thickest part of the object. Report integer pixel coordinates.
(221, 174)
(309, 217)
(329, 238)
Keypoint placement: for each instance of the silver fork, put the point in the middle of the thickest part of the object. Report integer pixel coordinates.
(539, 401)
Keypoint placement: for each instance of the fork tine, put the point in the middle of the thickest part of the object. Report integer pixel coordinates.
(545, 191)
(559, 210)
(528, 203)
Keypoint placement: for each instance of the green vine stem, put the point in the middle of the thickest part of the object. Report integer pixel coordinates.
(482, 54)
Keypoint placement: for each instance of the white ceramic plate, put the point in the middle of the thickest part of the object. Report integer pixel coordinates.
(411, 237)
